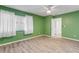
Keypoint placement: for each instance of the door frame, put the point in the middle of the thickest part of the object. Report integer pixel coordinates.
(52, 28)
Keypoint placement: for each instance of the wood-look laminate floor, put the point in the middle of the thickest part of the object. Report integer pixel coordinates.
(42, 45)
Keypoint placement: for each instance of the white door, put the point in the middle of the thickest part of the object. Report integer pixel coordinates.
(56, 27)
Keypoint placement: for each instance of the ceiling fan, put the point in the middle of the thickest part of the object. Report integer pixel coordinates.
(49, 8)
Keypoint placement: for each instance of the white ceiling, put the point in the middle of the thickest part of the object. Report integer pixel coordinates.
(39, 10)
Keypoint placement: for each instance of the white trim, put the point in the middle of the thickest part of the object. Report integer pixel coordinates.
(36, 37)
(22, 40)
(47, 35)
(55, 37)
(71, 39)
(59, 34)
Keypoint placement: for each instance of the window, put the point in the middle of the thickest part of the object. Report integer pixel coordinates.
(19, 23)
(7, 24)
(28, 24)
(10, 23)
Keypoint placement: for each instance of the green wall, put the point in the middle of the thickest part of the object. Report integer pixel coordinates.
(42, 25)
(47, 25)
(38, 22)
(70, 27)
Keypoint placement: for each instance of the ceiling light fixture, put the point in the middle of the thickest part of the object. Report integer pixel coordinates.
(48, 11)
(49, 8)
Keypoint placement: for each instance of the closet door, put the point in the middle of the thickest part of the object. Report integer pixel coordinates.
(56, 27)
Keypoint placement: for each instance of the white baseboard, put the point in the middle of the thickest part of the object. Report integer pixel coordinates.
(36, 37)
(71, 39)
(22, 40)
(47, 35)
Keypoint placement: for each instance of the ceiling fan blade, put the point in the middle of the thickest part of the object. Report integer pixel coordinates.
(45, 7)
(53, 7)
(48, 9)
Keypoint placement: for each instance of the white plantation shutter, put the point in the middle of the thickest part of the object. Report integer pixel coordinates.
(20, 23)
(14, 25)
(7, 24)
(25, 25)
(28, 24)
